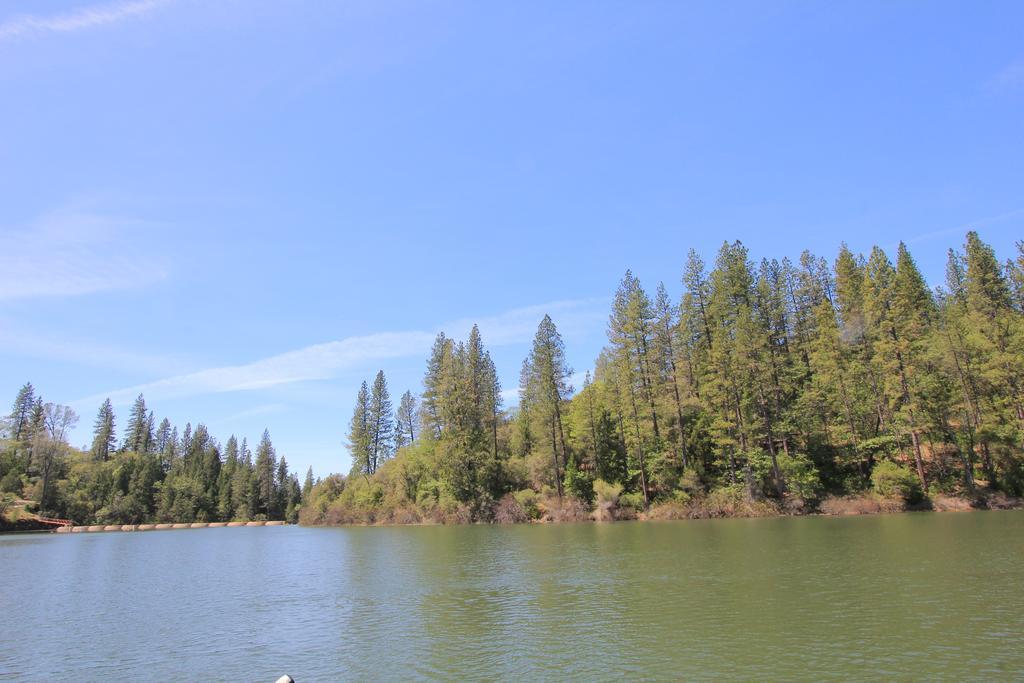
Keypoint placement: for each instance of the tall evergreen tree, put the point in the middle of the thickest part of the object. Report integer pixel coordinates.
(359, 437)
(307, 485)
(546, 375)
(284, 490)
(405, 421)
(665, 351)
(162, 436)
(21, 414)
(897, 305)
(435, 386)
(135, 436)
(266, 472)
(103, 432)
(380, 422)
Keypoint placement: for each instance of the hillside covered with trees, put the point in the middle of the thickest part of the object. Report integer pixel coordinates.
(774, 386)
(770, 387)
(152, 473)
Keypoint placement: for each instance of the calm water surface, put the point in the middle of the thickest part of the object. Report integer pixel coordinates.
(894, 597)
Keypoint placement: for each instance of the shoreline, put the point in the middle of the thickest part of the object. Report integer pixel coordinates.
(853, 506)
(131, 528)
(846, 506)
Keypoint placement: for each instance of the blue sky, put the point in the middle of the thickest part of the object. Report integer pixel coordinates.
(243, 208)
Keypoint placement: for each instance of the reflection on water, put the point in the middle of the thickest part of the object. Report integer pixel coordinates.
(903, 596)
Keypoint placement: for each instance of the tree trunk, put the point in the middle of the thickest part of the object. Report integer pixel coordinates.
(645, 381)
(679, 413)
(639, 445)
(914, 437)
(554, 454)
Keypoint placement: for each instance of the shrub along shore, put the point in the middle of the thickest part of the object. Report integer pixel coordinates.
(610, 504)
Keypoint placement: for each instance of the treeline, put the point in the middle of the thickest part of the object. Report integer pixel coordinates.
(771, 383)
(153, 474)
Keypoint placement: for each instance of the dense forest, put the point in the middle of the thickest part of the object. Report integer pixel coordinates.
(770, 387)
(153, 474)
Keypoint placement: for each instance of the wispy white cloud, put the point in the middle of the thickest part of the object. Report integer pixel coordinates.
(317, 362)
(93, 16)
(572, 317)
(18, 341)
(72, 252)
(1010, 77)
(962, 229)
(265, 409)
(327, 360)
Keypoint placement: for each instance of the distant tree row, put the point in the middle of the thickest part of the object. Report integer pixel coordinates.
(773, 380)
(153, 474)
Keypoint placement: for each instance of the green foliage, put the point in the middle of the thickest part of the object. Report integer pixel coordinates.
(632, 501)
(529, 501)
(155, 477)
(889, 480)
(798, 472)
(577, 484)
(607, 492)
(767, 383)
(801, 476)
(11, 482)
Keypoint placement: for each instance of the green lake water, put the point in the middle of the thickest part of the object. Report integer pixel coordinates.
(899, 597)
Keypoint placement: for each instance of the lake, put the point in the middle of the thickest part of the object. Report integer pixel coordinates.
(909, 596)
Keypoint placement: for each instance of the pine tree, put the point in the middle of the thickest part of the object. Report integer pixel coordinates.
(162, 437)
(492, 401)
(962, 362)
(897, 305)
(729, 312)
(1015, 275)
(185, 446)
(37, 423)
(265, 471)
(461, 384)
(103, 432)
(148, 434)
(380, 422)
(284, 490)
(307, 485)
(630, 330)
(135, 432)
(405, 421)
(999, 333)
(435, 386)
(833, 387)
(226, 481)
(170, 450)
(665, 354)
(359, 436)
(21, 414)
(546, 375)
(244, 488)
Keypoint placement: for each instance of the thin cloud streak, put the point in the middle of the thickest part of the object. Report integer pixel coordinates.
(962, 230)
(328, 360)
(1011, 77)
(70, 253)
(79, 20)
(15, 340)
(266, 409)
